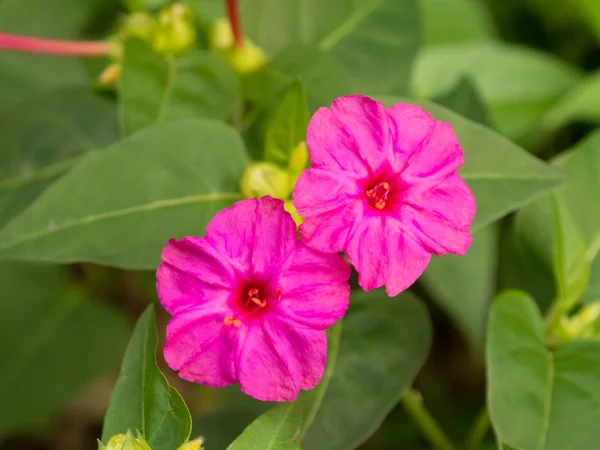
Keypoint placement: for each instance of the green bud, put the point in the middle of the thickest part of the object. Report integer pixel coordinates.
(126, 442)
(175, 32)
(264, 178)
(299, 158)
(245, 59)
(139, 25)
(220, 36)
(196, 444)
(289, 207)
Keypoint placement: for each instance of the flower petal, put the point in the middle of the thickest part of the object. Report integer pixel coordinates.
(201, 348)
(179, 290)
(315, 288)
(331, 147)
(328, 232)
(366, 250)
(366, 120)
(441, 216)
(304, 350)
(406, 259)
(318, 191)
(261, 369)
(411, 126)
(197, 257)
(438, 157)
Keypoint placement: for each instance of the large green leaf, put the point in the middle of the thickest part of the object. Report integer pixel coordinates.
(43, 137)
(154, 88)
(518, 84)
(378, 337)
(465, 100)
(540, 399)
(55, 342)
(448, 21)
(375, 41)
(564, 229)
(582, 103)
(120, 206)
(142, 399)
(502, 176)
(21, 74)
(320, 74)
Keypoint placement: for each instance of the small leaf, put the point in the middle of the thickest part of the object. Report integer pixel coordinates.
(540, 399)
(287, 128)
(154, 88)
(502, 176)
(142, 399)
(43, 137)
(120, 206)
(55, 342)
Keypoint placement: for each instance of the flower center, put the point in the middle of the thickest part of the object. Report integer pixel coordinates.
(251, 301)
(377, 195)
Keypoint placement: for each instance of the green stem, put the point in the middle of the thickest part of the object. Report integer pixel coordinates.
(479, 430)
(413, 403)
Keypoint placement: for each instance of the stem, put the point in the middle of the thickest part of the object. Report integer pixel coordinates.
(234, 20)
(413, 403)
(15, 42)
(479, 430)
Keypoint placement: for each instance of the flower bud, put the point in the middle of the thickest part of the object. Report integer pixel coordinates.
(299, 158)
(264, 178)
(220, 36)
(175, 32)
(139, 25)
(125, 442)
(110, 75)
(289, 207)
(245, 59)
(196, 444)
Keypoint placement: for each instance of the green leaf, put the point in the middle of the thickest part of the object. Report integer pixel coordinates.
(22, 75)
(380, 337)
(465, 100)
(448, 21)
(142, 399)
(287, 128)
(590, 12)
(518, 84)
(464, 286)
(154, 88)
(120, 206)
(592, 294)
(322, 77)
(540, 399)
(502, 176)
(564, 229)
(43, 137)
(55, 342)
(582, 103)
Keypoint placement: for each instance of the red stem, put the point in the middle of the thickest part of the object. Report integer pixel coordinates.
(234, 20)
(14, 42)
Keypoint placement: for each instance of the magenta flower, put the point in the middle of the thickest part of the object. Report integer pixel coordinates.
(383, 188)
(250, 303)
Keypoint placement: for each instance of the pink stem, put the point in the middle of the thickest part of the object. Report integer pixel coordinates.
(234, 20)
(14, 42)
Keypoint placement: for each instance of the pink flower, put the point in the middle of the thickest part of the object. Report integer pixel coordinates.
(250, 303)
(383, 188)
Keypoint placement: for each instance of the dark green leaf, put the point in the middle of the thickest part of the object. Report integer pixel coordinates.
(120, 206)
(540, 399)
(465, 100)
(142, 399)
(502, 176)
(582, 103)
(43, 137)
(154, 88)
(287, 128)
(55, 342)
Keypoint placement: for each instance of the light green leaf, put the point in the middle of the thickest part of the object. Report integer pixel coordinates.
(322, 77)
(582, 103)
(518, 84)
(142, 399)
(287, 127)
(55, 342)
(464, 286)
(540, 399)
(502, 176)
(154, 88)
(120, 206)
(43, 137)
(380, 337)
(448, 21)
(592, 294)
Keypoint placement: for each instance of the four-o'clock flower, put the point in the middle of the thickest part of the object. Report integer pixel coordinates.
(250, 302)
(383, 188)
